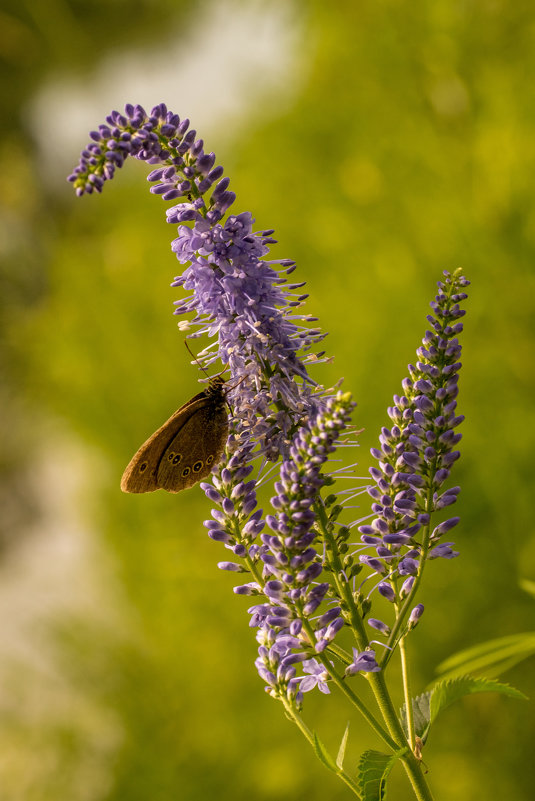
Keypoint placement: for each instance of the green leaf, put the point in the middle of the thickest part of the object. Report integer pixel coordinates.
(421, 713)
(493, 656)
(426, 707)
(446, 692)
(374, 768)
(323, 755)
(342, 749)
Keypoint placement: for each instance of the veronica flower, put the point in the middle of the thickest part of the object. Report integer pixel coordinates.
(235, 292)
(415, 615)
(363, 662)
(291, 560)
(302, 575)
(379, 625)
(318, 677)
(162, 138)
(292, 565)
(275, 665)
(417, 453)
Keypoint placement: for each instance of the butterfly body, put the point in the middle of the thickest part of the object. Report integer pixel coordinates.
(185, 449)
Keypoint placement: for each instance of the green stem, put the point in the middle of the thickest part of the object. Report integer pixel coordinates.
(251, 564)
(396, 738)
(340, 653)
(299, 722)
(412, 765)
(254, 569)
(407, 604)
(344, 687)
(344, 590)
(407, 693)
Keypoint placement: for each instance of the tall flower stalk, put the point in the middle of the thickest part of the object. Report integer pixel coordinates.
(314, 588)
(239, 298)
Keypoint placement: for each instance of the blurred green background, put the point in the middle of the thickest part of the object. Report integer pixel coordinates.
(384, 141)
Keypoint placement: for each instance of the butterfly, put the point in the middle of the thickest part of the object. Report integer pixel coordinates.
(185, 449)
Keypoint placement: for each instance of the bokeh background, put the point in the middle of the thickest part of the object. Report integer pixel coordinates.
(384, 141)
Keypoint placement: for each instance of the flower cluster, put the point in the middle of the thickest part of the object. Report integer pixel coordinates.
(289, 633)
(250, 310)
(236, 522)
(416, 456)
(292, 562)
(236, 294)
(160, 137)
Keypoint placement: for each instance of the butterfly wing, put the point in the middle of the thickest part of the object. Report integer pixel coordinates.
(196, 447)
(141, 472)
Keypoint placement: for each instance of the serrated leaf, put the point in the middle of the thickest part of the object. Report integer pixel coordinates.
(493, 656)
(374, 768)
(421, 714)
(323, 755)
(342, 749)
(446, 692)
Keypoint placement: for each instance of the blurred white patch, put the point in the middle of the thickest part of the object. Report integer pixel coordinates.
(58, 568)
(56, 579)
(235, 61)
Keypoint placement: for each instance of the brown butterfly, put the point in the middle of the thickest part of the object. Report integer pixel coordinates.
(185, 449)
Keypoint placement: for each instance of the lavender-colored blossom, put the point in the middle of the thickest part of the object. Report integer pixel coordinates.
(233, 567)
(386, 591)
(251, 588)
(363, 662)
(292, 565)
(238, 295)
(417, 452)
(234, 291)
(276, 665)
(379, 625)
(242, 300)
(318, 677)
(415, 616)
(406, 587)
(159, 138)
(444, 550)
(291, 561)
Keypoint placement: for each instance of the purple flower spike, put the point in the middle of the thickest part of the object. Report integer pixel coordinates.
(239, 298)
(417, 453)
(160, 139)
(235, 291)
(291, 563)
(238, 295)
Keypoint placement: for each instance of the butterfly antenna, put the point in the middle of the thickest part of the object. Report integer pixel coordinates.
(237, 384)
(211, 378)
(195, 359)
